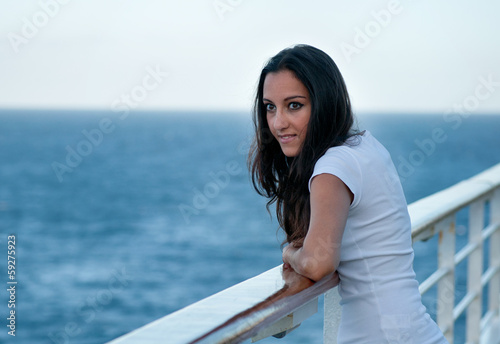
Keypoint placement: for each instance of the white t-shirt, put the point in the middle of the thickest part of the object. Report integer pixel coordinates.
(380, 298)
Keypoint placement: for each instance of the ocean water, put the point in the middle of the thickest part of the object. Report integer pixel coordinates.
(120, 221)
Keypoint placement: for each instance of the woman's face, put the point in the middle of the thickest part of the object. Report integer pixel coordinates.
(288, 109)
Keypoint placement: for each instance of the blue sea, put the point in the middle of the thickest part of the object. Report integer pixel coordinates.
(119, 221)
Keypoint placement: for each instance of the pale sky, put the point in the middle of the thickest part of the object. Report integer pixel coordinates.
(396, 56)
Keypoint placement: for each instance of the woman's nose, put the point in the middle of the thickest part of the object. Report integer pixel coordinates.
(280, 121)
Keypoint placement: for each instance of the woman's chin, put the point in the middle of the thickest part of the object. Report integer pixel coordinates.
(290, 153)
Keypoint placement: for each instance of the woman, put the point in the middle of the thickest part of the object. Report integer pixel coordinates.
(338, 199)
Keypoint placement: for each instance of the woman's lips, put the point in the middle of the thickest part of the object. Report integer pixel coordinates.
(286, 138)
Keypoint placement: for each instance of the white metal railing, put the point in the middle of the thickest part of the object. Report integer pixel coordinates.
(252, 309)
(436, 215)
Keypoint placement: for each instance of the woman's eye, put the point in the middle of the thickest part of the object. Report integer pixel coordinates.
(295, 105)
(269, 107)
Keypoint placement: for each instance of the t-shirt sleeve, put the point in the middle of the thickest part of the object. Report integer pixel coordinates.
(341, 163)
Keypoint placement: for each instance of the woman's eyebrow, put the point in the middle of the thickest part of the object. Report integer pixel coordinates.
(286, 99)
(292, 97)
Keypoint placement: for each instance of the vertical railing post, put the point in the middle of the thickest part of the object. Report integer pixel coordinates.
(332, 316)
(474, 271)
(446, 286)
(494, 287)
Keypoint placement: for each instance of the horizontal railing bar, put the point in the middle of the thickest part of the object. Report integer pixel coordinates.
(488, 231)
(463, 304)
(224, 317)
(485, 278)
(206, 314)
(426, 212)
(250, 324)
(486, 319)
(470, 296)
(432, 279)
(465, 251)
(488, 275)
(470, 247)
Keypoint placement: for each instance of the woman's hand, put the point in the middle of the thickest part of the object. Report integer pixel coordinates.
(294, 282)
(288, 253)
(291, 250)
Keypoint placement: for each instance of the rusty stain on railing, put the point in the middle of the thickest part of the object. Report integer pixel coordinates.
(271, 309)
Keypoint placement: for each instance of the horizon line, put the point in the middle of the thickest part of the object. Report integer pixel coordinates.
(170, 111)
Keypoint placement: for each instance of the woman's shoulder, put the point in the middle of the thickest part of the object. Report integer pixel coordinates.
(346, 156)
(354, 143)
(361, 149)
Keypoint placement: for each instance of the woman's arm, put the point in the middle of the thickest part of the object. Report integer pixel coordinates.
(320, 253)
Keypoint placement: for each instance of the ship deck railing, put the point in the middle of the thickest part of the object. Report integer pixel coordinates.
(230, 316)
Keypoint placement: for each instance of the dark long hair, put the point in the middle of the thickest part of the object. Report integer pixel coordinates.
(285, 180)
